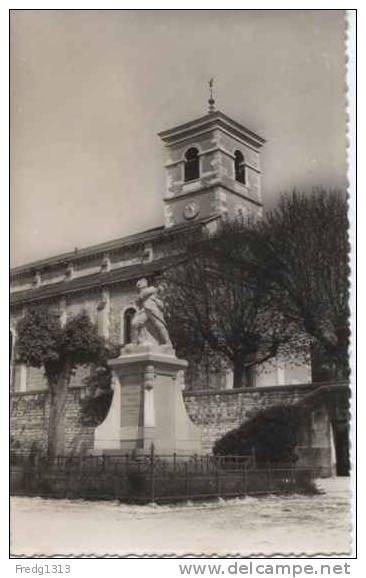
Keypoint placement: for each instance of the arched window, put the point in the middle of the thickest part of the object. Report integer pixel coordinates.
(191, 165)
(240, 167)
(127, 329)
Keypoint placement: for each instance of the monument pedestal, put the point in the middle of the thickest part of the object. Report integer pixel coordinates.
(147, 407)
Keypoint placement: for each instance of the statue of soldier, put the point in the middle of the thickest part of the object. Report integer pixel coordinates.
(148, 324)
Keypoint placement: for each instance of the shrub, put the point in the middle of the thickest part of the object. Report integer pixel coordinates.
(95, 406)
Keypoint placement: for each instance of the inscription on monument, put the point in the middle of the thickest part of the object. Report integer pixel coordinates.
(132, 406)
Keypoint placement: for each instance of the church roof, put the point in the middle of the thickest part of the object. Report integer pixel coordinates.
(141, 237)
(99, 278)
(87, 282)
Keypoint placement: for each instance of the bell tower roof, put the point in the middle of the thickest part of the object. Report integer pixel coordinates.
(208, 122)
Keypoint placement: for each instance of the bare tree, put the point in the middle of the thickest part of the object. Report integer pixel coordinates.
(218, 305)
(302, 247)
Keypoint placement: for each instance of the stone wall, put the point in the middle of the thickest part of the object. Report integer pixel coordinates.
(29, 413)
(218, 412)
(28, 420)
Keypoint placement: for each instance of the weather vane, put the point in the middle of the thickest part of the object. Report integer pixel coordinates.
(211, 100)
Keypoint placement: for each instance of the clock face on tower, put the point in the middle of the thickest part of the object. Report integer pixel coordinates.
(191, 210)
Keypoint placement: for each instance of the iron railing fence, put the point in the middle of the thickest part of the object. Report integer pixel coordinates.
(152, 478)
(122, 462)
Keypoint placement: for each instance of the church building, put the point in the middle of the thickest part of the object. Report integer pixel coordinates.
(213, 171)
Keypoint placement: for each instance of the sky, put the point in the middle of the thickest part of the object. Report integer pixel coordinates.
(90, 90)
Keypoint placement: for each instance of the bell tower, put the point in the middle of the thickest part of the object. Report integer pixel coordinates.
(212, 169)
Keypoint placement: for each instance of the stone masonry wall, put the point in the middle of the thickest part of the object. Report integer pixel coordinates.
(29, 413)
(28, 421)
(216, 412)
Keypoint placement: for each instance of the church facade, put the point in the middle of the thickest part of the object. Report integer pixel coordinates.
(213, 171)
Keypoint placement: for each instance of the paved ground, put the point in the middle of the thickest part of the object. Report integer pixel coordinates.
(296, 524)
